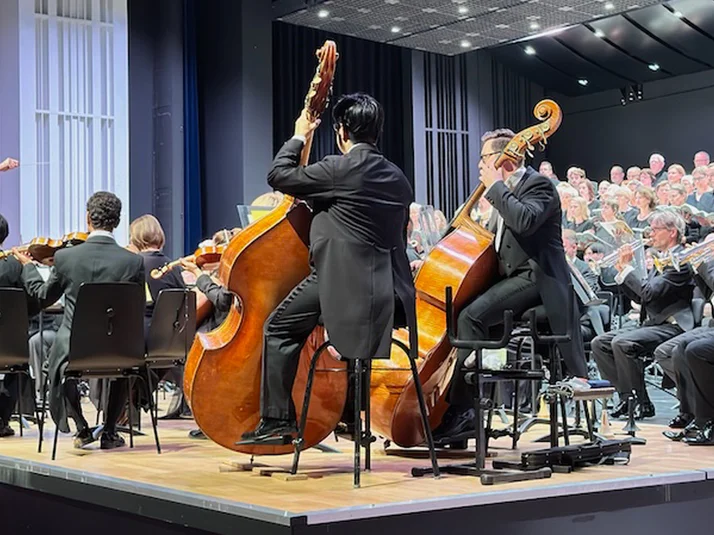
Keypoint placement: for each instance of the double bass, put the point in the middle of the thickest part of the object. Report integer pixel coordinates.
(261, 265)
(464, 259)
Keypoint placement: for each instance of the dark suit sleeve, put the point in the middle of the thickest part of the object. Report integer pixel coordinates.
(589, 275)
(661, 286)
(310, 182)
(704, 277)
(524, 214)
(46, 292)
(221, 298)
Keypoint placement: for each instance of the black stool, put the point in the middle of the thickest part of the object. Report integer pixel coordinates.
(360, 370)
(476, 377)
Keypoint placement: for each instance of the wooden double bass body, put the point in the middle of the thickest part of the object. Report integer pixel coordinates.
(261, 265)
(465, 260)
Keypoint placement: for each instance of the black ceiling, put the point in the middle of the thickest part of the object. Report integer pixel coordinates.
(620, 51)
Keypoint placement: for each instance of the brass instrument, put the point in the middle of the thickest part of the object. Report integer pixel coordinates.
(694, 256)
(610, 260)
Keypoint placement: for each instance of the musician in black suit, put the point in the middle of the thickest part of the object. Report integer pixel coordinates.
(10, 277)
(666, 301)
(358, 254)
(526, 221)
(99, 259)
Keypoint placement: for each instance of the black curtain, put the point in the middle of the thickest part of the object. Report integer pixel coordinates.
(366, 66)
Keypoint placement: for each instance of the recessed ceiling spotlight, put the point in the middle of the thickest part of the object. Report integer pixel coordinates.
(534, 25)
(463, 10)
(396, 29)
(465, 44)
(678, 14)
(530, 50)
(583, 82)
(323, 13)
(654, 66)
(599, 33)
(609, 6)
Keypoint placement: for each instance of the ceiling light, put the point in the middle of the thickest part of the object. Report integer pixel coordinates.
(609, 6)
(599, 33)
(678, 14)
(465, 44)
(534, 25)
(323, 13)
(530, 50)
(463, 10)
(654, 66)
(583, 82)
(396, 29)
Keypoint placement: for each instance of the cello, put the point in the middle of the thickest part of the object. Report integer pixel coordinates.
(464, 259)
(261, 265)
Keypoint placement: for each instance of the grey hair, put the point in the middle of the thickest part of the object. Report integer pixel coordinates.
(657, 157)
(670, 220)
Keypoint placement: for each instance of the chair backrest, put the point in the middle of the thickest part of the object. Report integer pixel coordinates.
(107, 328)
(173, 327)
(14, 324)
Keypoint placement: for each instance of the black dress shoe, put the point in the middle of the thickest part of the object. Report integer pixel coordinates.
(197, 434)
(83, 438)
(688, 432)
(456, 427)
(681, 421)
(705, 436)
(620, 410)
(270, 428)
(6, 430)
(644, 409)
(110, 441)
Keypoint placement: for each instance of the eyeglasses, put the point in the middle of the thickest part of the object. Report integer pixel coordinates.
(484, 156)
(657, 229)
(336, 127)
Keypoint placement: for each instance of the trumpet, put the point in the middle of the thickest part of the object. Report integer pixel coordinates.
(610, 260)
(694, 256)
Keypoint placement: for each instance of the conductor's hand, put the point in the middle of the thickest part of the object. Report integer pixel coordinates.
(304, 126)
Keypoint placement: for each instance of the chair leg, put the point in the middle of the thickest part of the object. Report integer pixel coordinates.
(566, 429)
(516, 401)
(358, 422)
(19, 402)
(152, 413)
(305, 407)
(54, 443)
(367, 419)
(131, 420)
(589, 420)
(422, 409)
(41, 424)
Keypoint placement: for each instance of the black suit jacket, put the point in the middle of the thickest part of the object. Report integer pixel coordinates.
(533, 235)
(155, 260)
(357, 242)
(99, 259)
(11, 277)
(663, 295)
(704, 278)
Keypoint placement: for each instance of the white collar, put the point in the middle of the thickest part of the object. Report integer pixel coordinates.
(356, 145)
(102, 233)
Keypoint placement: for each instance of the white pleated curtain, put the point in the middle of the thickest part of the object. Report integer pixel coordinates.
(76, 98)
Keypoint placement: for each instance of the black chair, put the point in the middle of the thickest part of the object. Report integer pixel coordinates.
(173, 327)
(107, 340)
(360, 370)
(14, 348)
(477, 376)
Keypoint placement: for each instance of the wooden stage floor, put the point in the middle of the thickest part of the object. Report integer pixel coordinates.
(187, 472)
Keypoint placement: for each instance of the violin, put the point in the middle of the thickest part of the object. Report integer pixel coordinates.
(42, 249)
(209, 254)
(466, 260)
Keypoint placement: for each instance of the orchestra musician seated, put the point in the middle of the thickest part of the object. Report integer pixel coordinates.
(10, 277)
(99, 259)
(666, 311)
(526, 221)
(358, 254)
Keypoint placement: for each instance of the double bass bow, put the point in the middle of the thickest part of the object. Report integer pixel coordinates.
(261, 265)
(464, 259)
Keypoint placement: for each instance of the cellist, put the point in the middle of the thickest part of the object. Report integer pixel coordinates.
(358, 255)
(526, 221)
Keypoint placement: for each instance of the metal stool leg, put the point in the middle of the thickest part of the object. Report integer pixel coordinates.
(566, 431)
(367, 420)
(516, 402)
(153, 413)
(131, 419)
(41, 424)
(358, 421)
(305, 407)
